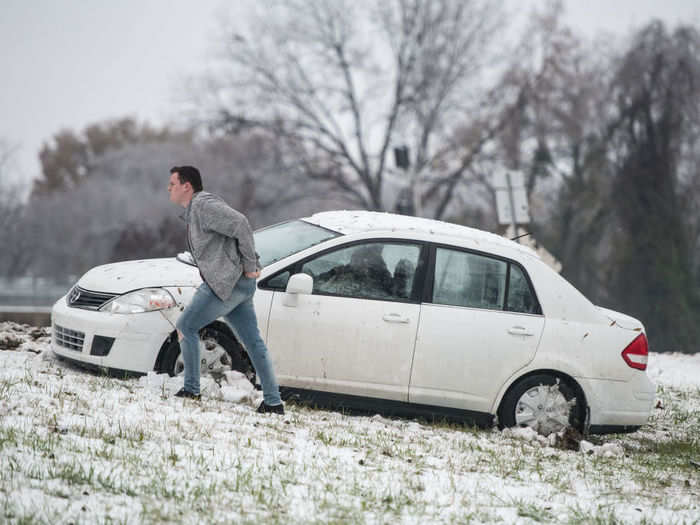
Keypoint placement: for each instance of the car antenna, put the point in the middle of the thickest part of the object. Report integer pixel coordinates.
(521, 235)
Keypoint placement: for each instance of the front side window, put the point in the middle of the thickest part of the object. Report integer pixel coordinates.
(282, 240)
(377, 270)
(468, 279)
(279, 281)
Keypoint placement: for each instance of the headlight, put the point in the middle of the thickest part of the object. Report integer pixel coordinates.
(146, 300)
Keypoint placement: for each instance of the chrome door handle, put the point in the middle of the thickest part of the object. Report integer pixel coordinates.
(396, 318)
(519, 330)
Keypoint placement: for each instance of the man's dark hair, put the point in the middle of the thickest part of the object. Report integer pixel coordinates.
(188, 174)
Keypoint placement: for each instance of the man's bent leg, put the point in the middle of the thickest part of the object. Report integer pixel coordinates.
(204, 308)
(244, 322)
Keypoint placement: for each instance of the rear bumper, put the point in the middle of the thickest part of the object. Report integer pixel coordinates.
(619, 406)
(137, 337)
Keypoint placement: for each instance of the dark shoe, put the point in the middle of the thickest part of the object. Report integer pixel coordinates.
(186, 393)
(271, 409)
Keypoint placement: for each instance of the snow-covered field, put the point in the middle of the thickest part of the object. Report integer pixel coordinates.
(79, 447)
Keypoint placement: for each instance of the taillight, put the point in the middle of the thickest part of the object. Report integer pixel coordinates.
(637, 353)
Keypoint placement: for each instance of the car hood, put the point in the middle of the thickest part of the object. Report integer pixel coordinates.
(622, 320)
(126, 276)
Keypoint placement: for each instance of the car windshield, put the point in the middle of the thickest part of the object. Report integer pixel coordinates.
(281, 240)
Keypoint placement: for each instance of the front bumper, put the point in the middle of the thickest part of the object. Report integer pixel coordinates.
(619, 403)
(137, 337)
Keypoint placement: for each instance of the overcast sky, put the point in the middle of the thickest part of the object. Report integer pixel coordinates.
(69, 63)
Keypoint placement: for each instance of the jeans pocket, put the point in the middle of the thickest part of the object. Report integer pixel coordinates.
(247, 283)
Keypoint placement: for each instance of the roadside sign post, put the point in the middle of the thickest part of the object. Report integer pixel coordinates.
(511, 199)
(513, 209)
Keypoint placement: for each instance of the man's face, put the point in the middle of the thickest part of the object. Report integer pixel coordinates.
(179, 193)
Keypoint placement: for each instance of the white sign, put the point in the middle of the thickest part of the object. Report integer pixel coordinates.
(511, 198)
(503, 205)
(500, 180)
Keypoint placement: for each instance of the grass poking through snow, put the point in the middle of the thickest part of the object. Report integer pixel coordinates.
(76, 447)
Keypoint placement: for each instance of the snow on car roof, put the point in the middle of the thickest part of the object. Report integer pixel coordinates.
(357, 221)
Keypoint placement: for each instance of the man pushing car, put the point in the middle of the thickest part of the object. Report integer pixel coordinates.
(221, 243)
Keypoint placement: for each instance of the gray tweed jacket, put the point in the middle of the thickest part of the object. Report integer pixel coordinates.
(221, 242)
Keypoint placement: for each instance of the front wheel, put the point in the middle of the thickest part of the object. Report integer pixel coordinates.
(543, 402)
(218, 353)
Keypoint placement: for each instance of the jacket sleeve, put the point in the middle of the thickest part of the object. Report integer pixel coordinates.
(220, 217)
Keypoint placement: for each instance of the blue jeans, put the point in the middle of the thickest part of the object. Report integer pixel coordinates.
(239, 313)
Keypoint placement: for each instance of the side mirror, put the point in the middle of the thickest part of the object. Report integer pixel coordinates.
(299, 283)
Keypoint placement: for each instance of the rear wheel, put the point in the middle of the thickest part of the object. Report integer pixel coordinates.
(543, 402)
(218, 353)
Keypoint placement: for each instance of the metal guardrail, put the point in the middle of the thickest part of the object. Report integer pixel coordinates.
(33, 315)
(24, 309)
(29, 299)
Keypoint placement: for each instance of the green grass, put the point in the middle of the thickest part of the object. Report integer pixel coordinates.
(81, 441)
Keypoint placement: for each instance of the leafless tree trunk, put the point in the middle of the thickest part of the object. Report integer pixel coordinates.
(559, 137)
(343, 83)
(14, 243)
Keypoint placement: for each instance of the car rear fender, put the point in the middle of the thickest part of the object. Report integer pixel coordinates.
(591, 349)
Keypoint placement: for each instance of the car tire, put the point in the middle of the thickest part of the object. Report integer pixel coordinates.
(544, 402)
(219, 352)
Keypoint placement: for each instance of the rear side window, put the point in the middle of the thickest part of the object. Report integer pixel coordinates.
(475, 280)
(468, 279)
(520, 296)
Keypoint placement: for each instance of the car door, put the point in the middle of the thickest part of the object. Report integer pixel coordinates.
(355, 334)
(482, 323)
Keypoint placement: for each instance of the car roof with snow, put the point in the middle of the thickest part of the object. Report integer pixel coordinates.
(351, 222)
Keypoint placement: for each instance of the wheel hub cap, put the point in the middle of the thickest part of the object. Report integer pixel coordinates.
(544, 409)
(214, 359)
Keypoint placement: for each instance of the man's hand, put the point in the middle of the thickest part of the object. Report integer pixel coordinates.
(252, 275)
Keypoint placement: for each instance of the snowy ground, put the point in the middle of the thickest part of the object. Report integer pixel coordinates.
(78, 447)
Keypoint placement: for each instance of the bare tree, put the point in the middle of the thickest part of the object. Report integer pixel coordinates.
(657, 92)
(69, 157)
(122, 211)
(7, 195)
(560, 140)
(13, 242)
(612, 135)
(344, 83)
(250, 172)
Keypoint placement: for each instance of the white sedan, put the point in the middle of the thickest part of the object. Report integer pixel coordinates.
(389, 313)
